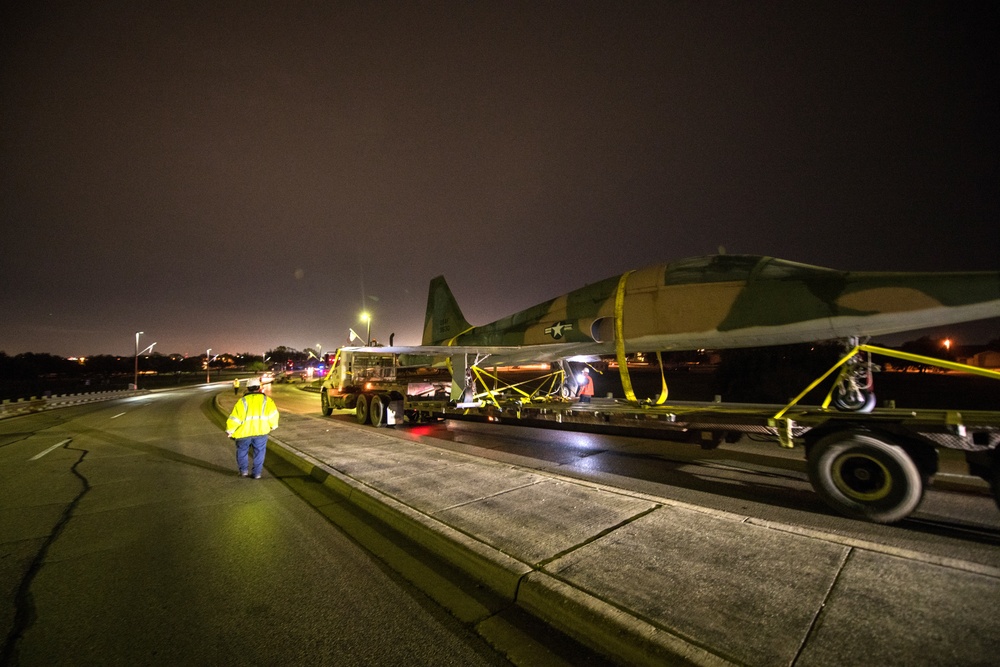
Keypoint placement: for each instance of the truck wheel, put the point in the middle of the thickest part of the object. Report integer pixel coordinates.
(361, 409)
(377, 409)
(864, 477)
(995, 477)
(324, 401)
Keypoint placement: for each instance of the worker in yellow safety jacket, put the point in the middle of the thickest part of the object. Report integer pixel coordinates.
(253, 417)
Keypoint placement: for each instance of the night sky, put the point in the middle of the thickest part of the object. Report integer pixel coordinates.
(243, 175)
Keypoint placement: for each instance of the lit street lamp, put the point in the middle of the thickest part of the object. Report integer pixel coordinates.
(365, 317)
(135, 383)
(208, 359)
(317, 355)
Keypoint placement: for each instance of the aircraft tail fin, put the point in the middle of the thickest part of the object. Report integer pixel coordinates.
(444, 319)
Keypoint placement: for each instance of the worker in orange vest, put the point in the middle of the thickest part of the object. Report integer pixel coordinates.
(586, 386)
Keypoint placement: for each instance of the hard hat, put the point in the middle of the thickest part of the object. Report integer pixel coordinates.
(253, 383)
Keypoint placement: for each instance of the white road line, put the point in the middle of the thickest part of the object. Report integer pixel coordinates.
(118, 415)
(55, 446)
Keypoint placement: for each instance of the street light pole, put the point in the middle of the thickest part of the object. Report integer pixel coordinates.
(135, 383)
(368, 337)
(208, 360)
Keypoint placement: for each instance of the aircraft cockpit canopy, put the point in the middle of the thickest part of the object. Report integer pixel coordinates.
(737, 268)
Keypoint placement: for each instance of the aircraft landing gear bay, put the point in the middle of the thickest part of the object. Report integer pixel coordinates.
(865, 476)
(853, 391)
(854, 399)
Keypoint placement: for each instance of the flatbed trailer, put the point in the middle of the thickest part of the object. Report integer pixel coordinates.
(873, 465)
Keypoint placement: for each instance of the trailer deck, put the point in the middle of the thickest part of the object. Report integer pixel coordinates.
(872, 463)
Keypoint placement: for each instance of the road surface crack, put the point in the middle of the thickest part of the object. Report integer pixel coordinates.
(24, 605)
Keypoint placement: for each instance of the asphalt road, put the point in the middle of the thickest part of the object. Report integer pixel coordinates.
(126, 537)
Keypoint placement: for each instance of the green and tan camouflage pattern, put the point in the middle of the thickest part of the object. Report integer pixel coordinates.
(724, 301)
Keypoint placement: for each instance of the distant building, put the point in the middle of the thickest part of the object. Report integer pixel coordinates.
(985, 359)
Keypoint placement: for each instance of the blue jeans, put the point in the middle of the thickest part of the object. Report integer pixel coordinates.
(259, 444)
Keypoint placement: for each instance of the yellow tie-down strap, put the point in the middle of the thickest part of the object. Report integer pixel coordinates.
(620, 347)
(548, 385)
(447, 360)
(872, 349)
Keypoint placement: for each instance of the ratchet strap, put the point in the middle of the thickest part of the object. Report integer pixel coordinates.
(620, 338)
(620, 347)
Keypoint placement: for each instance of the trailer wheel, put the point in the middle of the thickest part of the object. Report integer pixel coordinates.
(325, 402)
(995, 477)
(377, 408)
(361, 409)
(864, 477)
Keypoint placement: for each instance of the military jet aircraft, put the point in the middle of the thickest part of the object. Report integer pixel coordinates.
(716, 301)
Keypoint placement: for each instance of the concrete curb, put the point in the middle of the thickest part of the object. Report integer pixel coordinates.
(586, 618)
(591, 621)
(498, 571)
(597, 623)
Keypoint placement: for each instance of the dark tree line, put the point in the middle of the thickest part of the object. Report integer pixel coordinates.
(36, 374)
(33, 365)
(29, 365)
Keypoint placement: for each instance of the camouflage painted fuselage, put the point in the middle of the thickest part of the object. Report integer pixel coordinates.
(725, 301)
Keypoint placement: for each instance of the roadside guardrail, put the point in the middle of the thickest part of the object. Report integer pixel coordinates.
(22, 406)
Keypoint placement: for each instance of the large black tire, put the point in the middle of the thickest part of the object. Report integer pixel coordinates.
(995, 477)
(864, 477)
(377, 408)
(361, 409)
(327, 409)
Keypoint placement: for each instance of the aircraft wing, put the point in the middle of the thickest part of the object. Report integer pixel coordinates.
(491, 355)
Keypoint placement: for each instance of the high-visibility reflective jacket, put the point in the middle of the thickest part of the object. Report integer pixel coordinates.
(254, 414)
